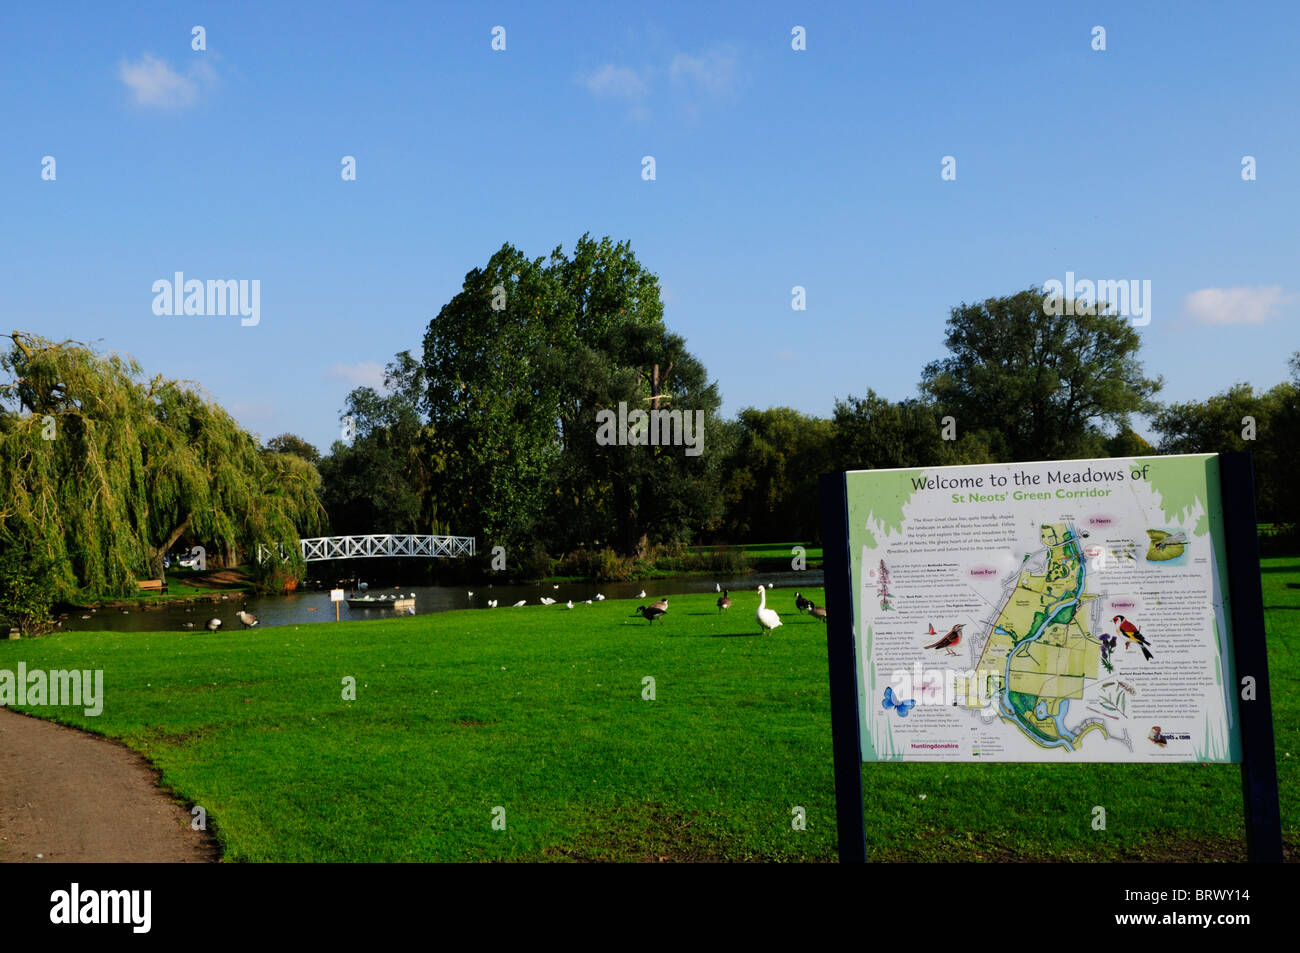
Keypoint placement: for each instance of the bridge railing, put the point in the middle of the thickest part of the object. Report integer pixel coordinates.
(390, 545)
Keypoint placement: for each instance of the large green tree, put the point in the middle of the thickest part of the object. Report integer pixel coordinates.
(875, 433)
(1238, 418)
(771, 483)
(102, 472)
(385, 480)
(1036, 385)
(519, 363)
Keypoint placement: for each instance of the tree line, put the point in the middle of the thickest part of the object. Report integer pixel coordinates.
(488, 428)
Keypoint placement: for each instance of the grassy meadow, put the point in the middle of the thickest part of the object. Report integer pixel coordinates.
(540, 711)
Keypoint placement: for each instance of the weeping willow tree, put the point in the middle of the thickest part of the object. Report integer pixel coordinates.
(102, 471)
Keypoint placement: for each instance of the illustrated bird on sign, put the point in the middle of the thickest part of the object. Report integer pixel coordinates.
(1131, 634)
(951, 639)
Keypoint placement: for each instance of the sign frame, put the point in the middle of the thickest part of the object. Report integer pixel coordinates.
(1245, 606)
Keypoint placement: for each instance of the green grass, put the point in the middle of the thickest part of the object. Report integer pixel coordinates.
(540, 711)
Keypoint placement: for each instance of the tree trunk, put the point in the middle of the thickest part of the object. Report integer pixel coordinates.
(156, 558)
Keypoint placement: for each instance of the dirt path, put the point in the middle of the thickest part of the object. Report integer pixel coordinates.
(70, 796)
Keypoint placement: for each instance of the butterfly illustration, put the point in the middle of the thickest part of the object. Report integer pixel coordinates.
(891, 701)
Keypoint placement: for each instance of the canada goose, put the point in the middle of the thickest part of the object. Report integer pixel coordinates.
(724, 601)
(247, 618)
(649, 613)
(802, 604)
(213, 624)
(767, 618)
(819, 612)
(661, 604)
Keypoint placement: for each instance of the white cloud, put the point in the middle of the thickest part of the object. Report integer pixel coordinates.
(1234, 305)
(616, 82)
(154, 83)
(362, 374)
(713, 71)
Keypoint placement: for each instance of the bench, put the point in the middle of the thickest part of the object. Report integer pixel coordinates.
(151, 585)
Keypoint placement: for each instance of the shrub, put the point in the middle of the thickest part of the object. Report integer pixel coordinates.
(26, 591)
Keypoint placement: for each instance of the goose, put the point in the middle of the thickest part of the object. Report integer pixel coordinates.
(599, 597)
(802, 604)
(521, 602)
(661, 604)
(649, 613)
(213, 624)
(569, 604)
(724, 601)
(247, 618)
(641, 595)
(767, 618)
(819, 612)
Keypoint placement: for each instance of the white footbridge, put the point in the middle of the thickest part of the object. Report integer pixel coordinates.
(321, 548)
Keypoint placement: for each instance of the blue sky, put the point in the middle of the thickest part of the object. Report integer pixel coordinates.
(774, 168)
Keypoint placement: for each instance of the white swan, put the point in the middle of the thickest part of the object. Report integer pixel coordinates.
(767, 618)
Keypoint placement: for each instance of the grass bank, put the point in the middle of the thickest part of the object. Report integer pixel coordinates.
(541, 712)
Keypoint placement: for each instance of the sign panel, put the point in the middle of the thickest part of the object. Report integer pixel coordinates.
(336, 595)
(1062, 611)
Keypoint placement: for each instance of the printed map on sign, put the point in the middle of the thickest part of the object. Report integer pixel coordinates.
(1071, 610)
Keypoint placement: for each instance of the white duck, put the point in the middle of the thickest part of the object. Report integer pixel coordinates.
(767, 618)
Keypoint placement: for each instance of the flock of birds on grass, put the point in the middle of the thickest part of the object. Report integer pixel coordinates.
(767, 618)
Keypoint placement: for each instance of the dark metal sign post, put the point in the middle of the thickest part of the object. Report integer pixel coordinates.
(842, 654)
(1246, 605)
